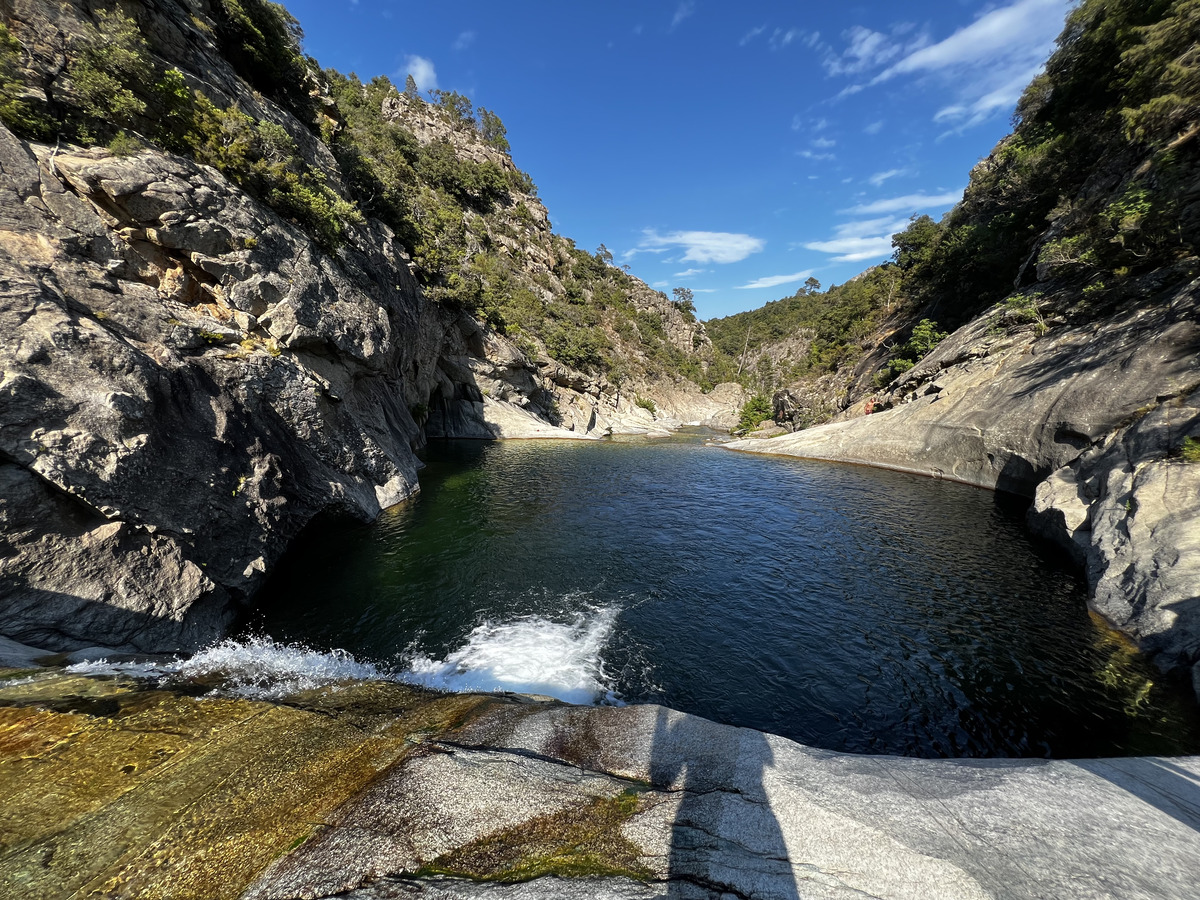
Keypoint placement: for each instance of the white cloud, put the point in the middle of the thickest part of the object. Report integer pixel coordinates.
(880, 177)
(874, 127)
(855, 249)
(984, 65)
(774, 281)
(1004, 97)
(703, 246)
(861, 240)
(688, 273)
(661, 284)
(751, 35)
(1026, 27)
(866, 49)
(816, 157)
(630, 254)
(909, 203)
(422, 71)
(465, 40)
(780, 37)
(888, 225)
(684, 10)
(824, 143)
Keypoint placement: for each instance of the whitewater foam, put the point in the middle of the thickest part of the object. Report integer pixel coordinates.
(531, 655)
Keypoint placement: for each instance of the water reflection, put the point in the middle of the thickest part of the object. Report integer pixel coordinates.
(847, 608)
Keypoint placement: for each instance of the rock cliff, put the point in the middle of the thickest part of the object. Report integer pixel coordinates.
(215, 331)
(1088, 417)
(1067, 276)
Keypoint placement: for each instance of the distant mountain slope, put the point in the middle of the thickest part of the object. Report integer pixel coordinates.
(1095, 188)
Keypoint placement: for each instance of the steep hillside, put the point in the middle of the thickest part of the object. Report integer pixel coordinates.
(239, 292)
(1069, 275)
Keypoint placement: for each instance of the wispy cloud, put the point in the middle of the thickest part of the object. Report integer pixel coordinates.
(814, 156)
(464, 40)
(1004, 97)
(781, 37)
(1027, 27)
(824, 143)
(879, 178)
(688, 273)
(685, 9)
(983, 66)
(873, 127)
(908, 204)
(751, 35)
(775, 280)
(861, 240)
(867, 49)
(702, 247)
(422, 71)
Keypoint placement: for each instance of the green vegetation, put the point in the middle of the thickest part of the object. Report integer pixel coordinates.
(755, 411)
(262, 40)
(111, 61)
(923, 339)
(15, 112)
(1119, 99)
(1190, 451)
(647, 404)
(1026, 308)
(835, 322)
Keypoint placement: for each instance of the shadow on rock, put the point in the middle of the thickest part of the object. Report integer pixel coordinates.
(725, 836)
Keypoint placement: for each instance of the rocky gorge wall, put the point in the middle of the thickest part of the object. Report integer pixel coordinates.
(1087, 417)
(188, 376)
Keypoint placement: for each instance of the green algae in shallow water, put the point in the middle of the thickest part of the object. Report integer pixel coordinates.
(167, 795)
(583, 841)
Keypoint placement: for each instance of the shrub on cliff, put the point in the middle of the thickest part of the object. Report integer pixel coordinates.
(261, 157)
(925, 336)
(754, 412)
(262, 41)
(15, 112)
(106, 68)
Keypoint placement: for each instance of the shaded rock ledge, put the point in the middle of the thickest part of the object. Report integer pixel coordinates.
(374, 790)
(1088, 421)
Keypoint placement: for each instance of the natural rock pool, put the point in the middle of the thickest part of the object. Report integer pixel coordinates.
(847, 608)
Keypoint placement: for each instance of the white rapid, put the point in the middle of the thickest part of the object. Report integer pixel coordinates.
(530, 655)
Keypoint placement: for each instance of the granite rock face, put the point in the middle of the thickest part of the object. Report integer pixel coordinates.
(380, 791)
(1090, 419)
(188, 382)
(187, 378)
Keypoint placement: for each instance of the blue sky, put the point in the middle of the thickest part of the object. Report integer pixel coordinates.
(731, 148)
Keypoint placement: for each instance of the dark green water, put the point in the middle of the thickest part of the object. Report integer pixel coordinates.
(848, 608)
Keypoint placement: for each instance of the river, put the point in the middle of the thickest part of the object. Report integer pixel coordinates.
(848, 608)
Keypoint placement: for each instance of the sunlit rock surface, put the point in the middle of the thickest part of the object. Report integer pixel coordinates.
(1089, 418)
(119, 788)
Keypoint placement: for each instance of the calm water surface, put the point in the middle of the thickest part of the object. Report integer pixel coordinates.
(848, 608)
